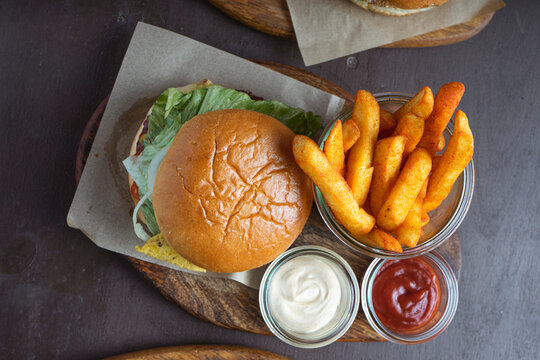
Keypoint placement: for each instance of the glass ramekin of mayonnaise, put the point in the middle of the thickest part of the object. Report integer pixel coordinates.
(309, 296)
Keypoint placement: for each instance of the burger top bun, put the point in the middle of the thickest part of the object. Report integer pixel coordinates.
(398, 7)
(228, 195)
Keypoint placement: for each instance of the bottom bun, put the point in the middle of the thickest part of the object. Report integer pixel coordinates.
(388, 10)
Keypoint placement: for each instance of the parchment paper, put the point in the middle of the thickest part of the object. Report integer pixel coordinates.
(329, 29)
(155, 60)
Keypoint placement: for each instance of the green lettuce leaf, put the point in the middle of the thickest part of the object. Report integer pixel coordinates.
(174, 107)
(298, 120)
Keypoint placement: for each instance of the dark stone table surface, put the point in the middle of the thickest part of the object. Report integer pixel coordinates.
(63, 297)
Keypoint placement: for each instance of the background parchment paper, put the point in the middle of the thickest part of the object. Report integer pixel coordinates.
(328, 29)
(155, 60)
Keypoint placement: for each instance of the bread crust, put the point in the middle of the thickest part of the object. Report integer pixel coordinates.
(398, 7)
(228, 195)
(411, 4)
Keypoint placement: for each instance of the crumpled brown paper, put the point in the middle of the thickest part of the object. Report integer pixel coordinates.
(155, 60)
(329, 29)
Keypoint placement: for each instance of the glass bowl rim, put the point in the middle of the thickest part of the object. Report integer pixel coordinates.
(450, 282)
(352, 306)
(453, 223)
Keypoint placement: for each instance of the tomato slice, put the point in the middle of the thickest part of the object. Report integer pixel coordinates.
(135, 191)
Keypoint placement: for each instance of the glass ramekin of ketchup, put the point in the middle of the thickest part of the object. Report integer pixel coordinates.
(410, 301)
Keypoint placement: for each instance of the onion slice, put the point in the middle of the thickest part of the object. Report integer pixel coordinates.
(154, 167)
(139, 229)
(150, 180)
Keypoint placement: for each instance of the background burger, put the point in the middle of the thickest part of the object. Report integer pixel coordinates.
(214, 180)
(398, 7)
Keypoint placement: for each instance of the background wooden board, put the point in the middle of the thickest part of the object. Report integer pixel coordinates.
(200, 352)
(228, 303)
(273, 17)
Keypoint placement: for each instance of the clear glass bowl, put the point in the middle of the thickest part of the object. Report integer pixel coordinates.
(444, 220)
(346, 311)
(441, 319)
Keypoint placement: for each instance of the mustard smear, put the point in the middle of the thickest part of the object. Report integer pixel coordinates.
(158, 248)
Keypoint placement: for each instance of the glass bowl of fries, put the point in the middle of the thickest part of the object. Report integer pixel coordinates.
(443, 221)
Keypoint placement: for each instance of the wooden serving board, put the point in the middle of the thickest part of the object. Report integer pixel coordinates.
(273, 17)
(228, 303)
(200, 352)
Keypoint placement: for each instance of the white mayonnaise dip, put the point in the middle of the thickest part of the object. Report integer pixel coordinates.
(304, 294)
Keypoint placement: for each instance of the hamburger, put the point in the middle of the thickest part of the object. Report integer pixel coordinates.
(398, 7)
(214, 180)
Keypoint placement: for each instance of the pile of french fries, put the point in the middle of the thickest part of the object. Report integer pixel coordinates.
(380, 173)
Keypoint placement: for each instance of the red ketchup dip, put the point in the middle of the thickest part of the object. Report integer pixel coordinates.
(406, 294)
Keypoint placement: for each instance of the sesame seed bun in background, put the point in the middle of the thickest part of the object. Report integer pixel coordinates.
(398, 7)
(228, 195)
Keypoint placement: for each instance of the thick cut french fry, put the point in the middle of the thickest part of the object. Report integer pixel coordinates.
(441, 144)
(380, 239)
(386, 165)
(423, 190)
(333, 187)
(367, 207)
(455, 158)
(412, 127)
(406, 233)
(410, 231)
(435, 161)
(360, 184)
(366, 116)
(387, 121)
(407, 187)
(333, 148)
(446, 102)
(420, 105)
(351, 133)
(425, 218)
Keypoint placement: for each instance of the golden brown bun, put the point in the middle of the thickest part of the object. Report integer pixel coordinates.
(410, 4)
(398, 7)
(228, 195)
